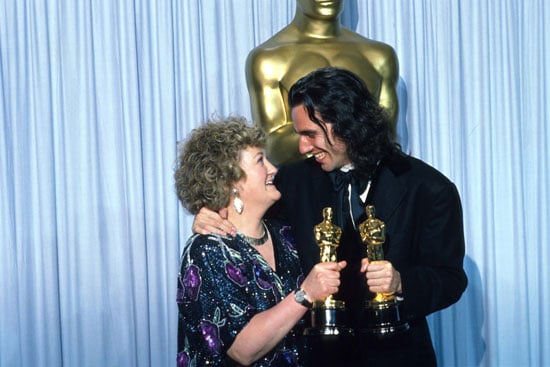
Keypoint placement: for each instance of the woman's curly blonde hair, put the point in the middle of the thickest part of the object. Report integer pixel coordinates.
(207, 166)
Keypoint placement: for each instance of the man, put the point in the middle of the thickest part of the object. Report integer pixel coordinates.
(343, 128)
(315, 38)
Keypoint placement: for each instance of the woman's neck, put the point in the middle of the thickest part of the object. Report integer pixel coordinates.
(250, 225)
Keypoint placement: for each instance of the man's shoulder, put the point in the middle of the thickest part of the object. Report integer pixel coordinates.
(414, 169)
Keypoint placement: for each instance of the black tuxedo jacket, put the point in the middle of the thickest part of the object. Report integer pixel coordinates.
(424, 234)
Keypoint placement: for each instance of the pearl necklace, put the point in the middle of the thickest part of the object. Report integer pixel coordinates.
(256, 241)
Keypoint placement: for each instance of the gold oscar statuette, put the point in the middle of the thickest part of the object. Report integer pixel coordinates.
(328, 317)
(382, 310)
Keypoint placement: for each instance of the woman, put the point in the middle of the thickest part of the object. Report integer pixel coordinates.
(240, 297)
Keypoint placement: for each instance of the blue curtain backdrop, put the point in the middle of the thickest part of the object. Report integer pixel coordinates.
(94, 96)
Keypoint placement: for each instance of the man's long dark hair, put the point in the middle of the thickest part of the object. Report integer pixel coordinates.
(339, 97)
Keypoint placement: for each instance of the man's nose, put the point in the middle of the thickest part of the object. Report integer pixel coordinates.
(304, 145)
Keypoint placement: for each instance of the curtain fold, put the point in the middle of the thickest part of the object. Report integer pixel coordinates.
(95, 96)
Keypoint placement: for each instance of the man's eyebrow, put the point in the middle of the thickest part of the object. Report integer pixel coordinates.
(306, 132)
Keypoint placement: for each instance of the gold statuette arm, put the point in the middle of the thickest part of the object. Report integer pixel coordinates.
(389, 71)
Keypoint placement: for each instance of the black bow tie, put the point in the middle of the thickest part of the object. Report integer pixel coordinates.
(341, 180)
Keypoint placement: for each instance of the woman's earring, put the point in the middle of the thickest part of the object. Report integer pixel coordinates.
(237, 202)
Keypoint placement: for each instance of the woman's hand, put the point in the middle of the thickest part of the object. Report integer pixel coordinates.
(323, 280)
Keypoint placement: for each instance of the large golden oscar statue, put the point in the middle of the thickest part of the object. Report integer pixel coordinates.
(315, 38)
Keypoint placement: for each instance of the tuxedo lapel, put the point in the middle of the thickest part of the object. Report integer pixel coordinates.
(390, 189)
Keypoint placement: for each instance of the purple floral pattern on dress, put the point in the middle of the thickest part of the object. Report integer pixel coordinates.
(211, 335)
(287, 237)
(263, 277)
(191, 282)
(236, 273)
(183, 360)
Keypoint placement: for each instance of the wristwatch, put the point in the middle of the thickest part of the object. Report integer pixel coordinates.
(300, 296)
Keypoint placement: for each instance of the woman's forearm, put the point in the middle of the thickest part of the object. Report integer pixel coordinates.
(265, 330)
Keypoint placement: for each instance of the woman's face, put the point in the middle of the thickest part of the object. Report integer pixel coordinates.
(321, 9)
(257, 190)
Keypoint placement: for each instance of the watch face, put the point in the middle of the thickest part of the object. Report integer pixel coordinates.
(300, 297)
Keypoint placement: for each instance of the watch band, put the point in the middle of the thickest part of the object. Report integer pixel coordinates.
(300, 296)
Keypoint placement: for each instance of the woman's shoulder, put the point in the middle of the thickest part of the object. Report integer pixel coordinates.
(201, 245)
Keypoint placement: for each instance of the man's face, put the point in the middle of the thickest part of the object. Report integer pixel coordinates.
(329, 150)
(321, 9)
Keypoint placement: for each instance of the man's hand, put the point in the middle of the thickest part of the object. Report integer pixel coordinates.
(381, 276)
(209, 222)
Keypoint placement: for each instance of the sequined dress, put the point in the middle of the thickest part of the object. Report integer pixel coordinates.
(223, 283)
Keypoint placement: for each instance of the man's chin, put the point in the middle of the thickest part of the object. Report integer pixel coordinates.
(327, 167)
